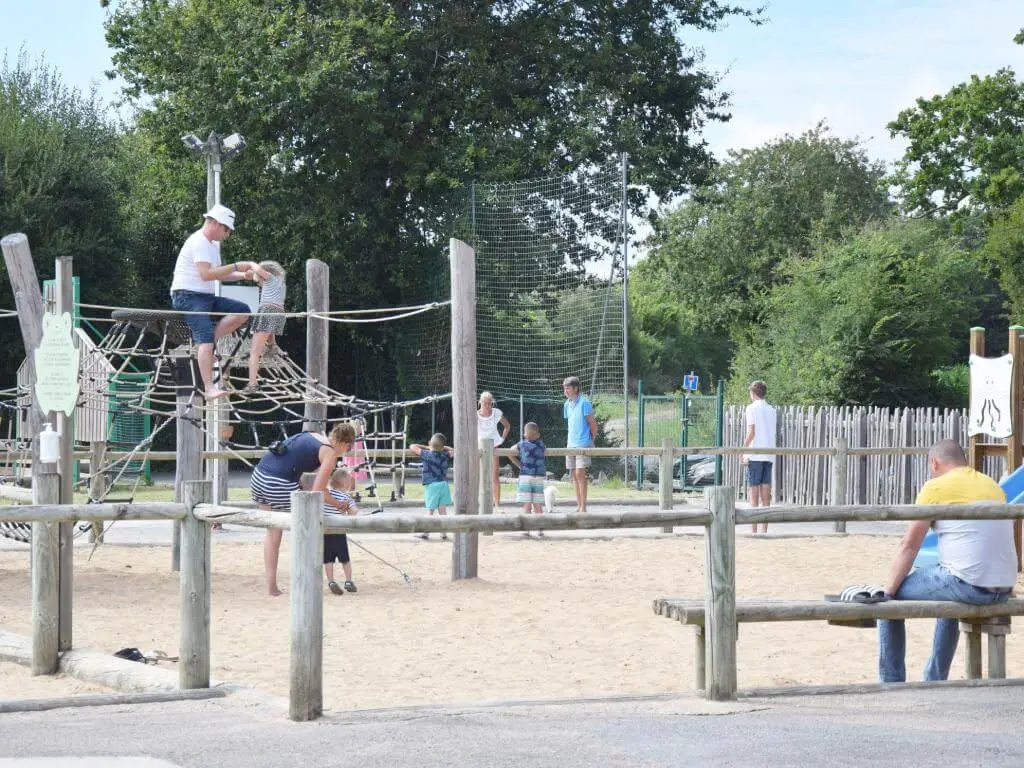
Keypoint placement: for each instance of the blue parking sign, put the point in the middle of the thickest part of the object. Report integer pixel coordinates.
(690, 382)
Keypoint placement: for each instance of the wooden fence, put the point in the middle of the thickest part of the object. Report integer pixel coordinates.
(892, 478)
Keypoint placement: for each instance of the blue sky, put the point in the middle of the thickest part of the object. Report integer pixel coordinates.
(854, 63)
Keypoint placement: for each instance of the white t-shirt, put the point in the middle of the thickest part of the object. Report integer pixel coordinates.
(980, 552)
(487, 426)
(762, 417)
(186, 275)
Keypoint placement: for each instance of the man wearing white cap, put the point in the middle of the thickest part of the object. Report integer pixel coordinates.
(193, 289)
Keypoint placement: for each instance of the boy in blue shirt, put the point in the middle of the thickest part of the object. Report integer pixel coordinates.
(578, 413)
(530, 492)
(436, 493)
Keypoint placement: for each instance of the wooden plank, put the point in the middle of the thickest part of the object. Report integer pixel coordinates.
(45, 576)
(317, 336)
(972, 655)
(414, 522)
(194, 648)
(849, 512)
(997, 656)
(305, 696)
(465, 547)
(720, 595)
(108, 699)
(73, 513)
(693, 611)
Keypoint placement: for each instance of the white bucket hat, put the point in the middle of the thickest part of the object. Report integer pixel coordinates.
(222, 214)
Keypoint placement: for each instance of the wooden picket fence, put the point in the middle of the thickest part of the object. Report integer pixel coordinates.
(879, 479)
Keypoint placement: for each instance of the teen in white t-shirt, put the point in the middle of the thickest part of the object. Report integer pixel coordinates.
(761, 425)
(491, 422)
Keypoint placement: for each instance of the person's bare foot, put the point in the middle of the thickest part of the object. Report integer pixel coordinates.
(214, 393)
(274, 592)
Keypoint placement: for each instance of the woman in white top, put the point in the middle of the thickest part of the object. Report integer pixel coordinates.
(491, 422)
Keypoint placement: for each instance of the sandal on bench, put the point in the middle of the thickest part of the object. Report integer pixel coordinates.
(862, 593)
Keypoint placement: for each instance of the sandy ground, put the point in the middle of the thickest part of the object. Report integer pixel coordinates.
(547, 618)
(16, 682)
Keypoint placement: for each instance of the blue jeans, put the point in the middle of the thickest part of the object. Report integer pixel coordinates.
(935, 583)
(202, 326)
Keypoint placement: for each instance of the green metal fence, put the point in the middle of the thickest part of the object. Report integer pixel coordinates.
(687, 419)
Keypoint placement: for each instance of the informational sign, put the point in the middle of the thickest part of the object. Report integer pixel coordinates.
(690, 382)
(990, 412)
(57, 366)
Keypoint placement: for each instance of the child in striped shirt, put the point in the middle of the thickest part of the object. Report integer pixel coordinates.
(337, 501)
(268, 323)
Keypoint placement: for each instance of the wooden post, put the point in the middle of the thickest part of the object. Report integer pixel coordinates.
(306, 698)
(1013, 443)
(467, 468)
(217, 419)
(189, 463)
(194, 648)
(997, 654)
(839, 470)
(972, 656)
(45, 574)
(665, 478)
(97, 483)
(317, 334)
(699, 651)
(861, 424)
(975, 457)
(65, 302)
(28, 301)
(487, 458)
(720, 595)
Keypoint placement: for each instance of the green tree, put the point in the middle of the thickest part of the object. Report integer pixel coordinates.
(364, 119)
(965, 153)
(59, 184)
(870, 320)
(1004, 249)
(721, 249)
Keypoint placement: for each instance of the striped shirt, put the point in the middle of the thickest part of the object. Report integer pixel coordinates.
(344, 498)
(272, 292)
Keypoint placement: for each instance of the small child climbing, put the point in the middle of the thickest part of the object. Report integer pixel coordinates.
(436, 494)
(268, 322)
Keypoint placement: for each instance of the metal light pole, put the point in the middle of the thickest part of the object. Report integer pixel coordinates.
(213, 150)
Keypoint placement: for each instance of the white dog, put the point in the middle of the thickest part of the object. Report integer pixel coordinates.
(549, 499)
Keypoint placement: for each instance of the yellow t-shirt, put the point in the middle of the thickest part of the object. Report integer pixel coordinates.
(962, 485)
(980, 552)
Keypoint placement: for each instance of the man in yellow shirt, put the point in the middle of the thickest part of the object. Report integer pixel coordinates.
(977, 562)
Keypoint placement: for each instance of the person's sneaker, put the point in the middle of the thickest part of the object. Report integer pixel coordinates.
(444, 537)
(251, 389)
(423, 536)
(350, 586)
(335, 588)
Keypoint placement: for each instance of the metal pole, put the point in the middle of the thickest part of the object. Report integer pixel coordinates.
(639, 432)
(719, 427)
(625, 305)
(217, 468)
(522, 418)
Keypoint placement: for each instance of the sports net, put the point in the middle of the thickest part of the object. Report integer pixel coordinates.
(549, 255)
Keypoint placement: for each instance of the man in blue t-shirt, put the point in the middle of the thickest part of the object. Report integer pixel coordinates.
(579, 414)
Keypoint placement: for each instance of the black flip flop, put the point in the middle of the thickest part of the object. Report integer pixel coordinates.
(335, 588)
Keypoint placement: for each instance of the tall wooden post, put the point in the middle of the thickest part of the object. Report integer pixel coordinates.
(487, 459)
(467, 467)
(65, 302)
(665, 478)
(189, 461)
(839, 474)
(975, 456)
(45, 573)
(97, 483)
(317, 334)
(720, 595)
(306, 697)
(1014, 442)
(194, 648)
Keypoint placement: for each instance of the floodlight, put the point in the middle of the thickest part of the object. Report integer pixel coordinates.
(233, 144)
(193, 142)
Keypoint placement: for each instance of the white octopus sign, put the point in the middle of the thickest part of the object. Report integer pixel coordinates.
(990, 396)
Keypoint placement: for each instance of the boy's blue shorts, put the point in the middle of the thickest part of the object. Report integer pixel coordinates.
(436, 495)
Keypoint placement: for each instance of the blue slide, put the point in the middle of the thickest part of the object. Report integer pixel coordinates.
(1013, 487)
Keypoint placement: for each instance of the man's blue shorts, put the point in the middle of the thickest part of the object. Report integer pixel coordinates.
(202, 325)
(759, 473)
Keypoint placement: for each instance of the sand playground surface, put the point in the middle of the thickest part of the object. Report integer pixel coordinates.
(547, 618)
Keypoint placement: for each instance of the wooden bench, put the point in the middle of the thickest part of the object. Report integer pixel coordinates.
(975, 620)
